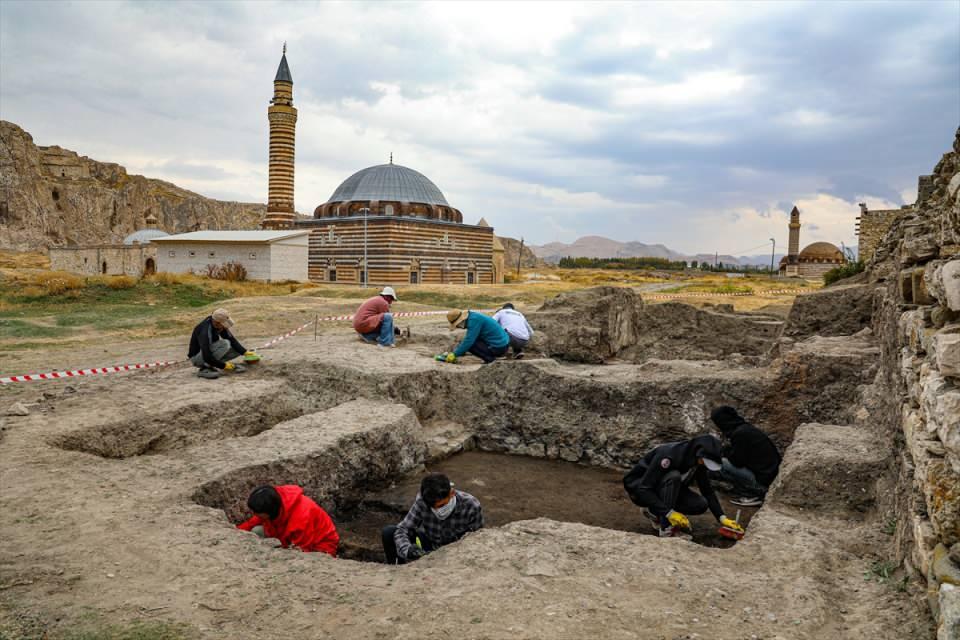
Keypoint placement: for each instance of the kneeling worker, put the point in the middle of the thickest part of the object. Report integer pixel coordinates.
(284, 513)
(373, 320)
(485, 338)
(660, 483)
(751, 461)
(212, 346)
(517, 328)
(439, 515)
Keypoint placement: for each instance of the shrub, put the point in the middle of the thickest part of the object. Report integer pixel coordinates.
(843, 271)
(121, 282)
(229, 271)
(53, 283)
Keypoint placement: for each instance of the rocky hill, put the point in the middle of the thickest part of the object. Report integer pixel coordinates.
(600, 247)
(54, 197)
(511, 247)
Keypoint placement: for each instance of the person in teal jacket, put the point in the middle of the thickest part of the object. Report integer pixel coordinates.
(485, 338)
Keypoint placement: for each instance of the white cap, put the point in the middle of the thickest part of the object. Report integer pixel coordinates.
(712, 465)
(388, 291)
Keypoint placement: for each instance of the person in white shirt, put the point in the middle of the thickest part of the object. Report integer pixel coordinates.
(516, 327)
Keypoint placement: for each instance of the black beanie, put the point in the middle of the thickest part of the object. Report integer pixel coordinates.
(726, 418)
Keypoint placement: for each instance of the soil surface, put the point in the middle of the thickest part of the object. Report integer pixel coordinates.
(119, 496)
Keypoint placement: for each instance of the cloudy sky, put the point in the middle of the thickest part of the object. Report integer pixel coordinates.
(693, 125)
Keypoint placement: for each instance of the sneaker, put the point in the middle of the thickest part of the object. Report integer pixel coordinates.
(654, 520)
(674, 532)
(747, 501)
(387, 346)
(208, 372)
(239, 368)
(518, 356)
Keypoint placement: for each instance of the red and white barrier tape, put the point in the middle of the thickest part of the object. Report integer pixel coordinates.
(287, 335)
(54, 375)
(699, 294)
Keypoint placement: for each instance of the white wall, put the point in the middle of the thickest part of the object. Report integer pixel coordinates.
(289, 259)
(255, 257)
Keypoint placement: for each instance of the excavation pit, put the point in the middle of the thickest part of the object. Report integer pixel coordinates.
(184, 427)
(512, 488)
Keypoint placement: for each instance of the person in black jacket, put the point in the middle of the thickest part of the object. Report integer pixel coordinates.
(660, 483)
(750, 459)
(212, 346)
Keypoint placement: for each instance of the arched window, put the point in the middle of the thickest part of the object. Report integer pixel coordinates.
(388, 210)
(103, 268)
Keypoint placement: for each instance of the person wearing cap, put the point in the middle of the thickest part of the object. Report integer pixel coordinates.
(485, 338)
(751, 461)
(660, 483)
(440, 515)
(212, 346)
(516, 326)
(373, 320)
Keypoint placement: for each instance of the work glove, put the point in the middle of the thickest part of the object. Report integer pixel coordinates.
(678, 520)
(229, 366)
(251, 356)
(415, 552)
(731, 524)
(451, 358)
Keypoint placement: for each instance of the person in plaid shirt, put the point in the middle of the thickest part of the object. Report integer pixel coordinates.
(439, 515)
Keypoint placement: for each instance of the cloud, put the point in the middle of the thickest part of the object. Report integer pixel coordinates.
(649, 121)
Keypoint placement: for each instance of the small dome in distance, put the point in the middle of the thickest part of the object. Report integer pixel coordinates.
(144, 236)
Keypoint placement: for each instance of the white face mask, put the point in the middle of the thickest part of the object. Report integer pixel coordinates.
(444, 512)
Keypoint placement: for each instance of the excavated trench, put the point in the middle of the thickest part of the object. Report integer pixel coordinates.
(512, 488)
(186, 427)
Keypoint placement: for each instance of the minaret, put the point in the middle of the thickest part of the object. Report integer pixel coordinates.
(283, 128)
(793, 246)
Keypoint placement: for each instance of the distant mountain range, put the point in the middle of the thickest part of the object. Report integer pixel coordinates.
(600, 247)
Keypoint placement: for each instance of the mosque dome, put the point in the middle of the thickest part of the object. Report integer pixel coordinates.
(144, 236)
(389, 182)
(389, 189)
(821, 251)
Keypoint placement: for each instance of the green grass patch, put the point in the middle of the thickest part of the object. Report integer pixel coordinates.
(15, 328)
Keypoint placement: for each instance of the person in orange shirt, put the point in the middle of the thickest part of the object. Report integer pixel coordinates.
(285, 513)
(373, 320)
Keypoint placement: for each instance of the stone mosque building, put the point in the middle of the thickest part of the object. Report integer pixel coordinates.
(386, 224)
(815, 259)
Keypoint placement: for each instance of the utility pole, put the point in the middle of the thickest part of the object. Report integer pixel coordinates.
(773, 251)
(716, 254)
(366, 268)
(519, 257)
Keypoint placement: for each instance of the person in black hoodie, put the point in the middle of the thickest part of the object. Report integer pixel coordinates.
(660, 483)
(212, 346)
(750, 459)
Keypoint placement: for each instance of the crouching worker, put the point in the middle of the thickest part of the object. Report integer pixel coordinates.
(284, 513)
(518, 329)
(751, 461)
(439, 515)
(212, 346)
(373, 320)
(485, 338)
(660, 483)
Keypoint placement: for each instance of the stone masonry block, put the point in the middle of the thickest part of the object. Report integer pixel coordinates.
(948, 354)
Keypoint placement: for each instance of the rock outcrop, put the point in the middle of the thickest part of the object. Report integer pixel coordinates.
(54, 197)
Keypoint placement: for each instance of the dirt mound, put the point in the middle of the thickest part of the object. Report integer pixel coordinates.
(604, 323)
(591, 325)
(830, 468)
(837, 311)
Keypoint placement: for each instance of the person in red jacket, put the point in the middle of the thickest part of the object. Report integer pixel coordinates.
(373, 320)
(284, 513)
